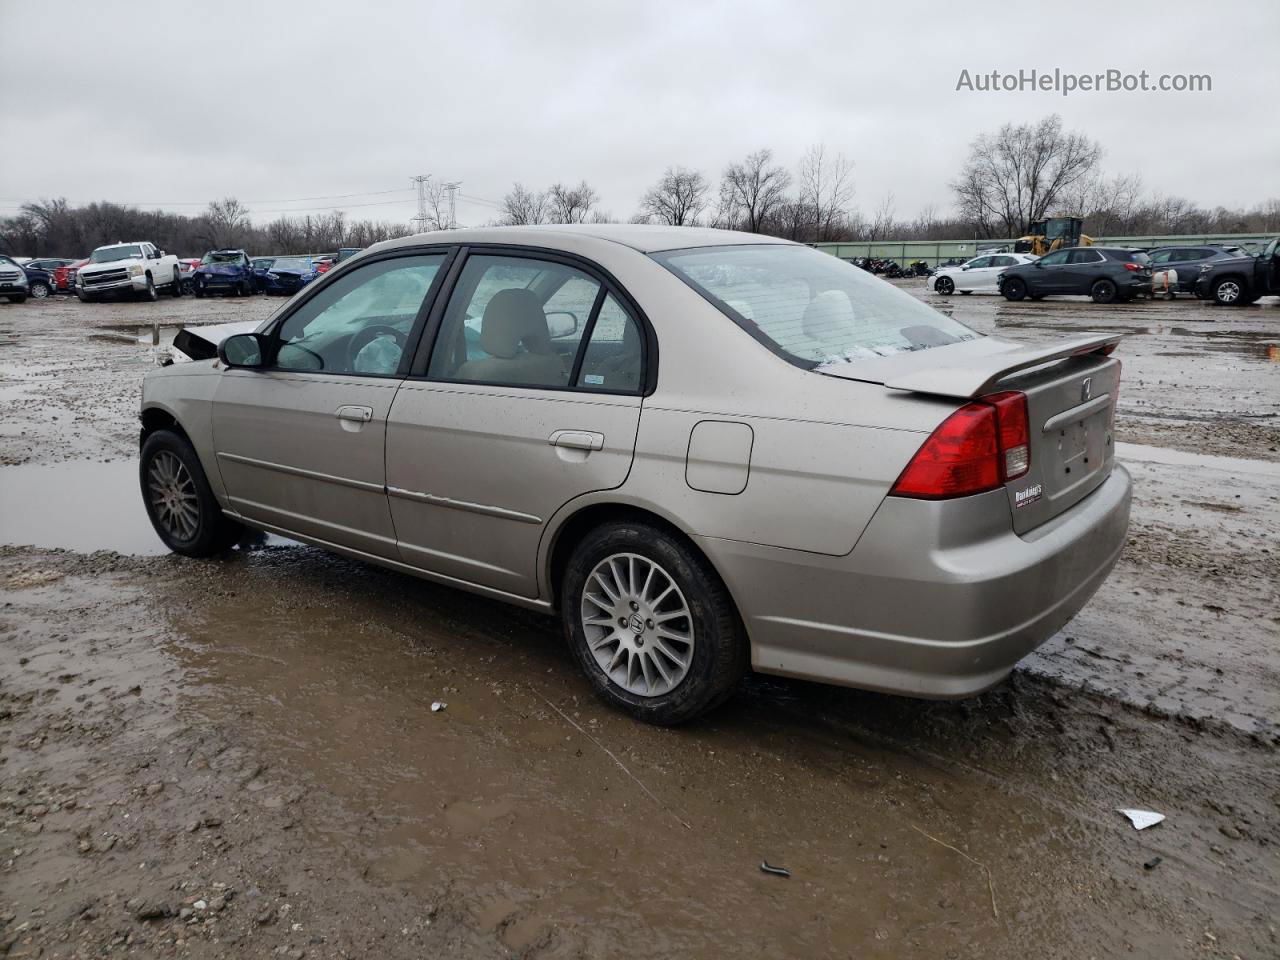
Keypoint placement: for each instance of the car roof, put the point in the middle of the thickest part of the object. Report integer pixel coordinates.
(646, 238)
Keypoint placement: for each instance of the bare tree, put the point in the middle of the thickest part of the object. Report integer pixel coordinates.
(882, 221)
(226, 222)
(752, 191)
(521, 207)
(1019, 173)
(677, 199)
(826, 189)
(571, 204)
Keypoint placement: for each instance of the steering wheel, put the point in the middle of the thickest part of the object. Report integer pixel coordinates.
(367, 336)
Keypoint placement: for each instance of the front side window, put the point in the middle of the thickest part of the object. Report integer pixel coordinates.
(515, 321)
(979, 263)
(360, 324)
(810, 307)
(1055, 258)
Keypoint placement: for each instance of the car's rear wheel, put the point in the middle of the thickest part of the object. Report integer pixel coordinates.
(182, 507)
(1103, 291)
(39, 289)
(651, 623)
(945, 286)
(1229, 292)
(1014, 289)
(175, 288)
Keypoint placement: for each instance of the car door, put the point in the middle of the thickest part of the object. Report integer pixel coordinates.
(973, 275)
(1084, 268)
(530, 397)
(300, 442)
(1050, 276)
(999, 264)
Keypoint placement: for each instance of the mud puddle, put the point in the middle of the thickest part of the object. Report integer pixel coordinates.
(85, 506)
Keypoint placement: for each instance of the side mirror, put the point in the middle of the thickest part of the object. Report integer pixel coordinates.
(242, 350)
(562, 323)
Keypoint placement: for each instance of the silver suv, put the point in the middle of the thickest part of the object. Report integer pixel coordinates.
(703, 450)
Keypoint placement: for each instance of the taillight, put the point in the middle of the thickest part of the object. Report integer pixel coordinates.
(979, 447)
(1133, 266)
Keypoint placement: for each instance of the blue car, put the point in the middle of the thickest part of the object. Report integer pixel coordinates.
(260, 267)
(288, 275)
(224, 271)
(40, 282)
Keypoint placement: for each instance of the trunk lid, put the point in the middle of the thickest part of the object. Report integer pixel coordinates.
(1071, 389)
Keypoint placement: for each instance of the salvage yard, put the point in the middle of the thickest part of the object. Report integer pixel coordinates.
(240, 758)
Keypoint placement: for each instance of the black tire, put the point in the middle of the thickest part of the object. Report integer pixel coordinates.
(1014, 289)
(84, 297)
(1230, 292)
(212, 532)
(945, 286)
(175, 287)
(149, 293)
(1037, 296)
(18, 298)
(965, 293)
(1103, 291)
(199, 288)
(720, 655)
(242, 289)
(40, 290)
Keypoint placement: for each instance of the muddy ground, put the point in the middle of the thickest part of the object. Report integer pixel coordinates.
(239, 758)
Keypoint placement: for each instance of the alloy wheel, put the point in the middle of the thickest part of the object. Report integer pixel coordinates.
(173, 495)
(637, 624)
(1228, 291)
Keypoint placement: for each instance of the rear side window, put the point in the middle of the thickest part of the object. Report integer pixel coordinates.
(614, 356)
(810, 307)
(1084, 256)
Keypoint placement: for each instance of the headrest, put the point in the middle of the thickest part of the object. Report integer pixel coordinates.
(827, 315)
(511, 316)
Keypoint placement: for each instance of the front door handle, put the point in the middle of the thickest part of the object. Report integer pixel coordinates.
(577, 439)
(355, 414)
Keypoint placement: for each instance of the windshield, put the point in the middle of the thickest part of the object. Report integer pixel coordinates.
(810, 307)
(108, 254)
(222, 256)
(292, 264)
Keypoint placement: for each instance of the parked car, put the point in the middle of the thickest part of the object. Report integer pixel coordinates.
(323, 263)
(64, 277)
(187, 267)
(47, 263)
(40, 282)
(260, 267)
(13, 280)
(1187, 261)
(136, 267)
(1103, 273)
(288, 275)
(655, 441)
(224, 271)
(1239, 281)
(978, 275)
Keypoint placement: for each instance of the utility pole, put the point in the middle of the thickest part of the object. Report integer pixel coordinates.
(421, 218)
(452, 187)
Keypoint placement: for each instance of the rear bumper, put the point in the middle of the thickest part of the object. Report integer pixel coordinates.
(938, 599)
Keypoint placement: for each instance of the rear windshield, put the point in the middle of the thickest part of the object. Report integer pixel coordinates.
(810, 307)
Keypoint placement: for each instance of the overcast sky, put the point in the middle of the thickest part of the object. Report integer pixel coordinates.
(171, 105)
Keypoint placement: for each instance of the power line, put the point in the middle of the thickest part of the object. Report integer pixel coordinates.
(204, 203)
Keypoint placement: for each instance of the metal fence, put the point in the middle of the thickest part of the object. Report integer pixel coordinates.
(933, 252)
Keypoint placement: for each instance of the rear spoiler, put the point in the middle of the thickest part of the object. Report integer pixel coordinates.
(967, 369)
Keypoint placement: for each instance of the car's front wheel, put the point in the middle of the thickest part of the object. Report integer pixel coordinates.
(149, 291)
(1014, 289)
(1103, 291)
(945, 286)
(182, 507)
(175, 288)
(651, 623)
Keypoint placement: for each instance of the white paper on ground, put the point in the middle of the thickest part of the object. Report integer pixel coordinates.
(1141, 819)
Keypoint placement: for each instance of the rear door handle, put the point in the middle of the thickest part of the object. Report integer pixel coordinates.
(354, 413)
(577, 439)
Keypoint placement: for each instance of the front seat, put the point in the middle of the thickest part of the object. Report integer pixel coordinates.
(513, 332)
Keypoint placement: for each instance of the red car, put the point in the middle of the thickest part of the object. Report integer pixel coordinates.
(64, 278)
(323, 264)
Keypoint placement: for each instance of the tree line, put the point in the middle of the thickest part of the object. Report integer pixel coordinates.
(1010, 177)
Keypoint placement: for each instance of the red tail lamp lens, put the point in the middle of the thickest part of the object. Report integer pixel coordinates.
(976, 449)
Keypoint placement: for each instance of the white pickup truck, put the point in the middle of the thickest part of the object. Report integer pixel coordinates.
(136, 267)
